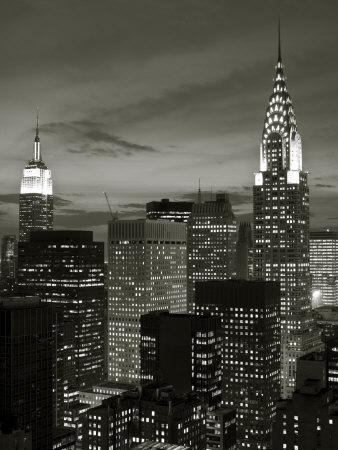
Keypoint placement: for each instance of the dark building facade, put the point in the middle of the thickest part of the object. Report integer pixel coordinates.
(155, 413)
(9, 253)
(65, 268)
(167, 210)
(250, 316)
(36, 194)
(184, 351)
(211, 243)
(244, 261)
(27, 354)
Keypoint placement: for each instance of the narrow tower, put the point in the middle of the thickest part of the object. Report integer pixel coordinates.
(281, 223)
(36, 194)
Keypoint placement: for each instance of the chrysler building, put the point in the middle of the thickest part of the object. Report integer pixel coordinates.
(281, 225)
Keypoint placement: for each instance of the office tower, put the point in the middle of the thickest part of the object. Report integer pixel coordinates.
(310, 419)
(324, 268)
(211, 243)
(244, 252)
(281, 226)
(36, 194)
(184, 351)
(250, 316)
(64, 438)
(27, 349)
(147, 271)
(332, 364)
(65, 268)
(167, 210)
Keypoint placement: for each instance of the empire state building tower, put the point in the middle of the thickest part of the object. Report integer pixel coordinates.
(36, 194)
(281, 225)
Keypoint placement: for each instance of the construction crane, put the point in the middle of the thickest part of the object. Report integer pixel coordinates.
(112, 215)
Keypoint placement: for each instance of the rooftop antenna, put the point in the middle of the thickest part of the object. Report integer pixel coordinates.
(199, 195)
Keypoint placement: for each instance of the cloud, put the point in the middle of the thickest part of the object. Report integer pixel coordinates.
(320, 185)
(59, 201)
(133, 205)
(9, 198)
(86, 138)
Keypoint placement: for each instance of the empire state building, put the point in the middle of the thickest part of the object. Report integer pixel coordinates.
(36, 194)
(281, 225)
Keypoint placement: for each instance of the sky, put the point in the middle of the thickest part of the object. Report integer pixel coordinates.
(141, 98)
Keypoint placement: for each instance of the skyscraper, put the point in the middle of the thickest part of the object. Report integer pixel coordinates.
(167, 210)
(27, 349)
(211, 243)
(324, 267)
(281, 224)
(147, 271)
(65, 268)
(183, 350)
(36, 194)
(250, 316)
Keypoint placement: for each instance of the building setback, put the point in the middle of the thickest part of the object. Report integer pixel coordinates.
(147, 271)
(27, 348)
(36, 194)
(65, 268)
(250, 316)
(324, 268)
(211, 243)
(167, 210)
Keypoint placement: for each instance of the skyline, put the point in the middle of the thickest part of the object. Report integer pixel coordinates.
(122, 118)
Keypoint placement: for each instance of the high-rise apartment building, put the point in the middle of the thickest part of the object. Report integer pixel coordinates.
(147, 271)
(183, 350)
(168, 210)
(244, 252)
(36, 194)
(281, 225)
(324, 268)
(211, 243)
(27, 354)
(65, 268)
(250, 316)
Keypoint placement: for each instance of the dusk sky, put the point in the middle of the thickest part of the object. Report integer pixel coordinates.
(140, 98)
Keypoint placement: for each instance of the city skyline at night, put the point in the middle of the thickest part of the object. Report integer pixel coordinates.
(119, 127)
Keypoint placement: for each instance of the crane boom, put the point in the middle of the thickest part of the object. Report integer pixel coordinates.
(110, 210)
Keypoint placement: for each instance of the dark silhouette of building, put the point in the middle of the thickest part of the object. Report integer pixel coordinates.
(250, 316)
(8, 265)
(244, 263)
(211, 243)
(65, 268)
(27, 354)
(167, 210)
(221, 429)
(310, 419)
(36, 194)
(326, 319)
(184, 351)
